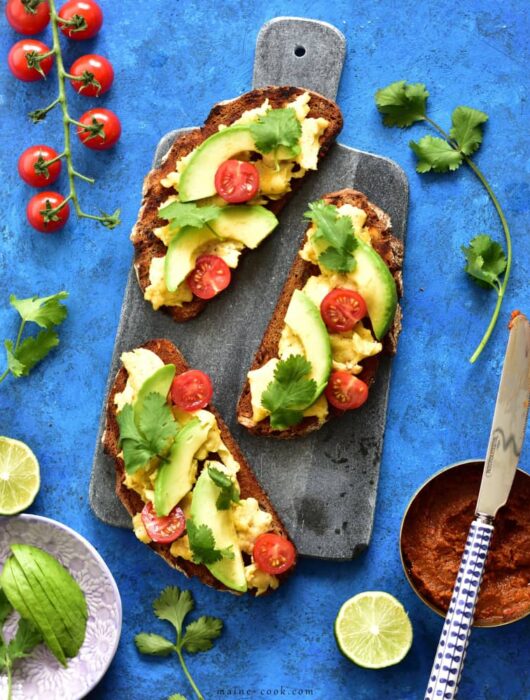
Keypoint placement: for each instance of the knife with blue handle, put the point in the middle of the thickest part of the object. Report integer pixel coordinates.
(504, 448)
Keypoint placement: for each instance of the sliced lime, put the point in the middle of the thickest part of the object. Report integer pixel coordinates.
(19, 476)
(373, 630)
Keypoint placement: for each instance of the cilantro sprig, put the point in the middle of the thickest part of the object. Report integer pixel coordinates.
(290, 393)
(229, 490)
(402, 104)
(147, 434)
(203, 546)
(45, 312)
(277, 127)
(337, 231)
(173, 605)
(180, 214)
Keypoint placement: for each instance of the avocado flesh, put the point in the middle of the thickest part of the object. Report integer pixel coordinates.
(182, 254)
(198, 179)
(204, 511)
(304, 319)
(175, 477)
(374, 281)
(248, 224)
(158, 383)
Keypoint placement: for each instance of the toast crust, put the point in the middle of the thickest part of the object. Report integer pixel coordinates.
(389, 248)
(147, 246)
(249, 485)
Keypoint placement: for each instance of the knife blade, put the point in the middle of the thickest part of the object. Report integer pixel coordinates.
(509, 422)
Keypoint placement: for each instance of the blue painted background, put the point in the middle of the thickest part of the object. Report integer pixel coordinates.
(173, 60)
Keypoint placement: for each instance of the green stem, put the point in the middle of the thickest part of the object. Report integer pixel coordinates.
(19, 336)
(188, 675)
(4, 375)
(9, 681)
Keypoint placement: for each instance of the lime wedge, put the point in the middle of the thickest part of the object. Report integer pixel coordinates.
(373, 630)
(19, 476)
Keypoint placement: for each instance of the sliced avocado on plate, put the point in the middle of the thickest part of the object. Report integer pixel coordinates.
(158, 383)
(248, 224)
(182, 253)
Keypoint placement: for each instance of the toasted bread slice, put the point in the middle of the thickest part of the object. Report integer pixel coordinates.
(146, 244)
(249, 485)
(389, 248)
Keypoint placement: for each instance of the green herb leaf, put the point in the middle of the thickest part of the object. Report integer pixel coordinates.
(202, 544)
(44, 311)
(5, 607)
(290, 393)
(25, 640)
(466, 128)
(200, 633)
(177, 696)
(173, 605)
(229, 490)
(336, 230)
(180, 214)
(486, 261)
(435, 154)
(15, 367)
(277, 127)
(153, 644)
(30, 352)
(402, 103)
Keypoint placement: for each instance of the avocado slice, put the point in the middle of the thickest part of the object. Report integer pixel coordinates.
(304, 319)
(374, 281)
(158, 383)
(248, 224)
(197, 179)
(182, 253)
(204, 511)
(176, 476)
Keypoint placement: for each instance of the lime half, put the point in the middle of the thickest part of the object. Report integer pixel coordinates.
(373, 630)
(19, 476)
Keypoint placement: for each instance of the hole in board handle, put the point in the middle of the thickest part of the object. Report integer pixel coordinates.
(299, 51)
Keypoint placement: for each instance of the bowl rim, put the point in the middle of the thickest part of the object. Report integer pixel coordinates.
(97, 556)
(412, 584)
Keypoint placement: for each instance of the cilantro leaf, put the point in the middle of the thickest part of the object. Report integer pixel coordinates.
(44, 311)
(180, 214)
(202, 544)
(485, 261)
(30, 352)
(177, 696)
(466, 128)
(336, 230)
(435, 154)
(200, 633)
(402, 103)
(277, 127)
(290, 393)
(229, 490)
(14, 365)
(173, 605)
(153, 644)
(25, 640)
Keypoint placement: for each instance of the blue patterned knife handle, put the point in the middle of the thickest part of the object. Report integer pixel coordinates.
(451, 652)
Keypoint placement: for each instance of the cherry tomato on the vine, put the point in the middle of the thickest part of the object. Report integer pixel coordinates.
(32, 166)
(166, 528)
(236, 181)
(84, 19)
(101, 131)
(273, 553)
(191, 390)
(209, 277)
(41, 215)
(345, 391)
(28, 18)
(96, 75)
(23, 60)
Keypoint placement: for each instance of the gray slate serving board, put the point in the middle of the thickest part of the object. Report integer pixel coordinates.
(324, 485)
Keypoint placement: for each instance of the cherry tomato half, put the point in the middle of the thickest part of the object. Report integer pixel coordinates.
(102, 129)
(342, 309)
(42, 202)
(344, 391)
(96, 72)
(32, 166)
(84, 16)
(210, 276)
(22, 63)
(191, 390)
(237, 181)
(273, 553)
(28, 21)
(165, 529)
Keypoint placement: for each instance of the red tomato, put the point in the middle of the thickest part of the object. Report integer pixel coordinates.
(22, 63)
(32, 166)
(342, 309)
(166, 528)
(97, 74)
(273, 553)
(210, 276)
(236, 181)
(43, 202)
(84, 16)
(191, 390)
(102, 129)
(344, 391)
(26, 20)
